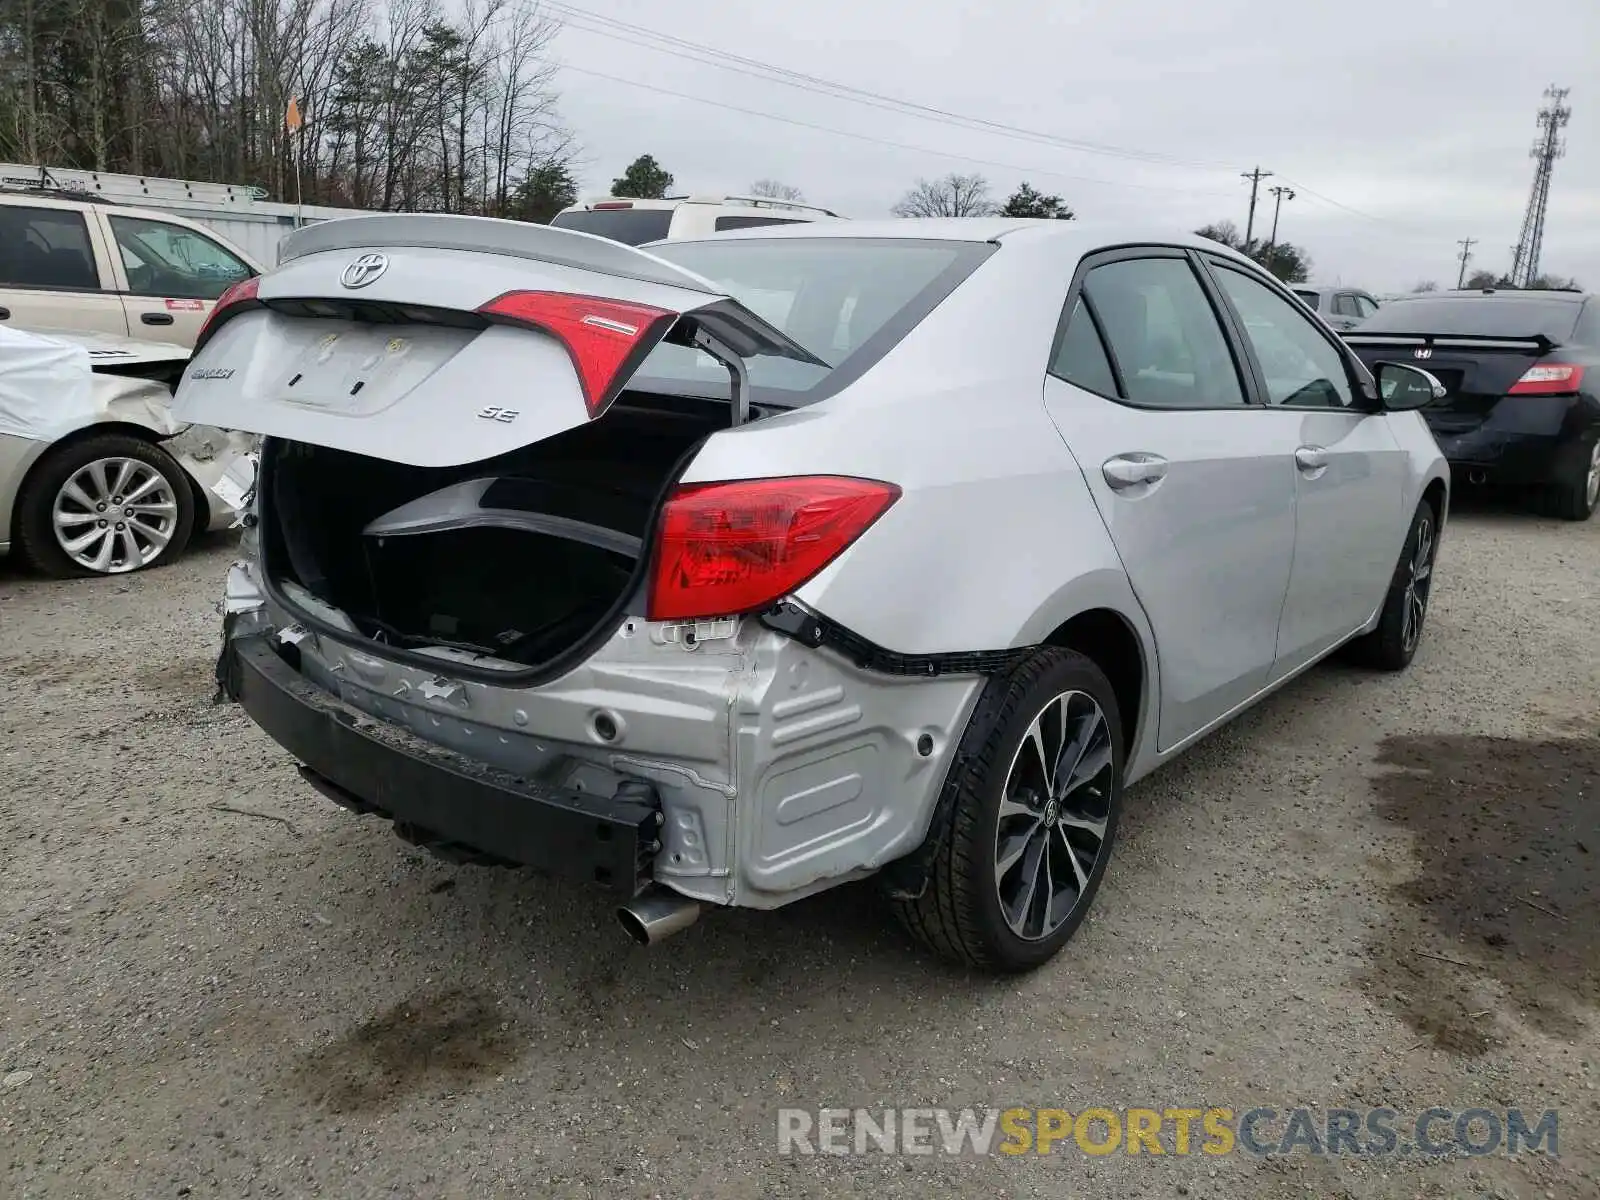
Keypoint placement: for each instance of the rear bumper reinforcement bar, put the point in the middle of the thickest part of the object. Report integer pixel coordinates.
(434, 798)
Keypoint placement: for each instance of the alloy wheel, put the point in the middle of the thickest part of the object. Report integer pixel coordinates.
(1054, 811)
(1419, 581)
(1592, 484)
(115, 515)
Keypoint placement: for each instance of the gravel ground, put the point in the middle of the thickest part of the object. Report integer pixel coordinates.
(1369, 891)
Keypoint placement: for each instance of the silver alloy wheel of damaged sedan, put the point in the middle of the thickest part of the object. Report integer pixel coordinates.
(115, 515)
(1053, 815)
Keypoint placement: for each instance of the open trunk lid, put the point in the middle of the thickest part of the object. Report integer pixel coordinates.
(442, 340)
(1477, 371)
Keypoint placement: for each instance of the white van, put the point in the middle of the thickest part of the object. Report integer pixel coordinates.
(635, 222)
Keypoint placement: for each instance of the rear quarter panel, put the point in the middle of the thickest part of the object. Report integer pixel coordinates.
(995, 540)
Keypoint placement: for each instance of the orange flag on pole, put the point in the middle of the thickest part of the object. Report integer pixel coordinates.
(291, 119)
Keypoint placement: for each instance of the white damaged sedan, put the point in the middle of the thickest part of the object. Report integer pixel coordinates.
(97, 476)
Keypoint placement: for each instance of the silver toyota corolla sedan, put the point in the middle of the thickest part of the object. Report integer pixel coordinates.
(724, 571)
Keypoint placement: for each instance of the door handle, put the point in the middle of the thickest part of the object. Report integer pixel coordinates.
(1311, 458)
(151, 318)
(1130, 470)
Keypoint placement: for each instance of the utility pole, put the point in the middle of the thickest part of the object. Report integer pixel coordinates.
(1281, 193)
(1255, 177)
(1465, 256)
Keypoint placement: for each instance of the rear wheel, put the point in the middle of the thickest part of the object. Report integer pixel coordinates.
(1038, 790)
(105, 505)
(1393, 644)
(1576, 494)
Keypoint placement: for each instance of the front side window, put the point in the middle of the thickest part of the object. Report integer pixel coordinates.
(1301, 367)
(45, 248)
(172, 260)
(1367, 305)
(1164, 334)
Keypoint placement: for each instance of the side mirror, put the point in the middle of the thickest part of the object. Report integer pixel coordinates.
(1403, 388)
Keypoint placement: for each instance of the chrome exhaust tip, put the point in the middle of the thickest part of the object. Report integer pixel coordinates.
(656, 914)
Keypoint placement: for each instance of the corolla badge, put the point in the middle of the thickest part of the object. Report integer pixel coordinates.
(364, 270)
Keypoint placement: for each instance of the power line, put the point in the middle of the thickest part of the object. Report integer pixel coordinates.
(863, 137)
(651, 39)
(711, 56)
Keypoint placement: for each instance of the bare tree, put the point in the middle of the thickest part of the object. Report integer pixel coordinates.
(772, 189)
(404, 103)
(952, 196)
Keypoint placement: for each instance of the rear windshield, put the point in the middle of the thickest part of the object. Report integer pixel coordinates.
(1478, 316)
(847, 300)
(633, 226)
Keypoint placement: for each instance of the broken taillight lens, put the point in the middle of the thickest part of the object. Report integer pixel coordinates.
(1548, 379)
(606, 339)
(729, 548)
(240, 294)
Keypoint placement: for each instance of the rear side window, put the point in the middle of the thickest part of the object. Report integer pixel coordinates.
(1081, 358)
(1344, 305)
(1508, 316)
(46, 248)
(631, 226)
(742, 222)
(847, 300)
(1164, 334)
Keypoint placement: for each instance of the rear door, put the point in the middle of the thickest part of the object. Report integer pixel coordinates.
(1195, 483)
(171, 275)
(1349, 470)
(54, 272)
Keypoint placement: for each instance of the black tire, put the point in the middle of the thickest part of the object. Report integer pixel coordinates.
(36, 535)
(1390, 647)
(959, 913)
(1572, 497)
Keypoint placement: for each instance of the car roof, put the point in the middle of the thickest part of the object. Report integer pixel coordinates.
(1093, 234)
(1502, 294)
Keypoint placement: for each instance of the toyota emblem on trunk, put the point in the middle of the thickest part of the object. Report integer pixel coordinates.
(364, 270)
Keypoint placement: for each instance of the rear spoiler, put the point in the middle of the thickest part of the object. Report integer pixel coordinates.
(490, 235)
(1454, 341)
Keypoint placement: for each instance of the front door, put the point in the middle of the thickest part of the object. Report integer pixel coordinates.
(1349, 471)
(174, 276)
(1195, 484)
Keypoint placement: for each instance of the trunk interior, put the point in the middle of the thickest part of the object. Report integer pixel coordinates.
(520, 558)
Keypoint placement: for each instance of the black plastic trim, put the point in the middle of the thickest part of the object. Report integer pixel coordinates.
(811, 629)
(463, 810)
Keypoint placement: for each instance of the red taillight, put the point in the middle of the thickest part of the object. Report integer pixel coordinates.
(728, 548)
(613, 204)
(1548, 379)
(606, 339)
(243, 292)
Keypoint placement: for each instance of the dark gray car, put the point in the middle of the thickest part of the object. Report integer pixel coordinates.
(1341, 307)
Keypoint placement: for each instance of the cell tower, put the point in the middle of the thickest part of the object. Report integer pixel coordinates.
(1552, 118)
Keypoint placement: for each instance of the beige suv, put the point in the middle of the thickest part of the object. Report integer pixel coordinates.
(95, 267)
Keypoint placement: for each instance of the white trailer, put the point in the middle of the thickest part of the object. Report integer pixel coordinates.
(240, 213)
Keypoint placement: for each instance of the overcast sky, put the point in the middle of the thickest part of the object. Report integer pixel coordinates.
(1417, 113)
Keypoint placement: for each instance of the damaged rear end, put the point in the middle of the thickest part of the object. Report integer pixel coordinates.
(476, 599)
